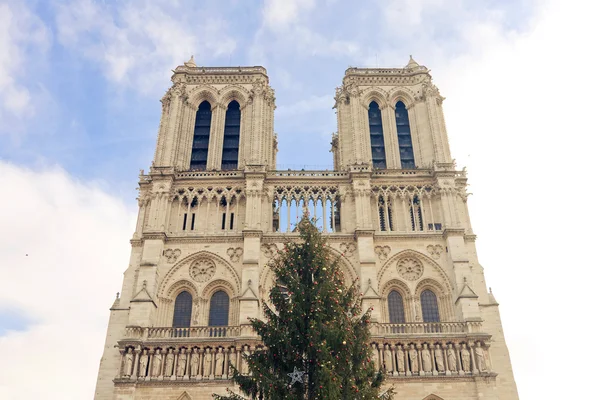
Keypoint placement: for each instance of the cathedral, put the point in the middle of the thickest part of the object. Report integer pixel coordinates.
(214, 209)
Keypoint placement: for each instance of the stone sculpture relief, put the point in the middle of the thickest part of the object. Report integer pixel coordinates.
(348, 249)
(181, 360)
(172, 255)
(382, 252)
(465, 356)
(235, 253)
(435, 251)
(451, 358)
(194, 362)
(410, 268)
(439, 358)
(202, 270)
(269, 249)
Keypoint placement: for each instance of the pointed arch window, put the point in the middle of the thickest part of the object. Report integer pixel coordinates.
(396, 308)
(231, 139)
(429, 306)
(201, 137)
(219, 309)
(182, 314)
(376, 132)
(407, 157)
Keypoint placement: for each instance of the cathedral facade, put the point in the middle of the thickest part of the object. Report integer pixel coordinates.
(214, 209)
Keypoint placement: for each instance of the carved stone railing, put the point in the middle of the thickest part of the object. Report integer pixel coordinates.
(209, 174)
(424, 328)
(449, 356)
(204, 332)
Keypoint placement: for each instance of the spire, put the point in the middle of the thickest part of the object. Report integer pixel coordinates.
(412, 63)
(191, 63)
(492, 299)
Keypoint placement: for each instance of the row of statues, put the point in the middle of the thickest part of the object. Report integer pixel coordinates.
(214, 363)
(435, 359)
(184, 363)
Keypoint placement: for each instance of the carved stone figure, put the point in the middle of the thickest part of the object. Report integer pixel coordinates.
(465, 356)
(194, 362)
(413, 357)
(230, 361)
(207, 363)
(181, 360)
(451, 358)
(128, 363)
(439, 358)
(480, 355)
(219, 362)
(375, 356)
(169, 363)
(245, 354)
(143, 363)
(400, 358)
(387, 360)
(426, 355)
(156, 363)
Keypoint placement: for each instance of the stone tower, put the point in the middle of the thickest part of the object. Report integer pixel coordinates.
(214, 209)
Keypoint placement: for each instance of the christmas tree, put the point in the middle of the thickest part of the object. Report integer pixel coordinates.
(316, 336)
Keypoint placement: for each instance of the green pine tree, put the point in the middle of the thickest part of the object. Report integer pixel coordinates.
(316, 326)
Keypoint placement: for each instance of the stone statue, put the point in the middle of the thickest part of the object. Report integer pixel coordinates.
(480, 355)
(375, 356)
(194, 362)
(207, 362)
(413, 357)
(426, 355)
(387, 360)
(219, 362)
(400, 358)
(439, 358)
(181, 360)
(143, 363)
(245, 354)
(230, 361)
(156, 363)
(128, 363)
(451, 358)
(465, 357)
(169, 363)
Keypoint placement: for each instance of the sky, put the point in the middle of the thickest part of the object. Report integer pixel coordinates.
(80, 83)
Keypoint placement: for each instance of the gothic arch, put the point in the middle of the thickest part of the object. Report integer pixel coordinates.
(445, 284)
(219, 284)
(407, 297)
(184, 396)
(433, 397)
(180, 286)
(443, 297)
(234, 92)
(375, 94)
(203, 93)
(186, 262)
(401, 94)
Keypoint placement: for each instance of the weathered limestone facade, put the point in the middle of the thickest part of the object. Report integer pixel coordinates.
(402, 230)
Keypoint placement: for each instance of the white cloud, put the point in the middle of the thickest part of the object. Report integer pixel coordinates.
(279, 14)
(138, 43)
(65, 245)
(521, 112)
(22, 34)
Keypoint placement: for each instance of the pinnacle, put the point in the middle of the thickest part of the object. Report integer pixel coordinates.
(412, 63)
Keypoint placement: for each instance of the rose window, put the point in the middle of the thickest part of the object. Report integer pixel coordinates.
(202, 270)
(410, 268)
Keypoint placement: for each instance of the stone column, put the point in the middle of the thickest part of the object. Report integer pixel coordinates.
(459, 365)
(473, 361)
(136, 361)
(186, 373)
(445, 351)
(174, 370)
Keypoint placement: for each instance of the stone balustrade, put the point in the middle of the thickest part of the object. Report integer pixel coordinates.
(420, 328)
(401, 351)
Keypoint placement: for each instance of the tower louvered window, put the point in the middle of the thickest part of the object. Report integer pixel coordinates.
(396, 308)
(201, 137)
(429, 306)
(182, 315)
(231, 139)
(407, 157)
(376, 132)
(219, 309)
